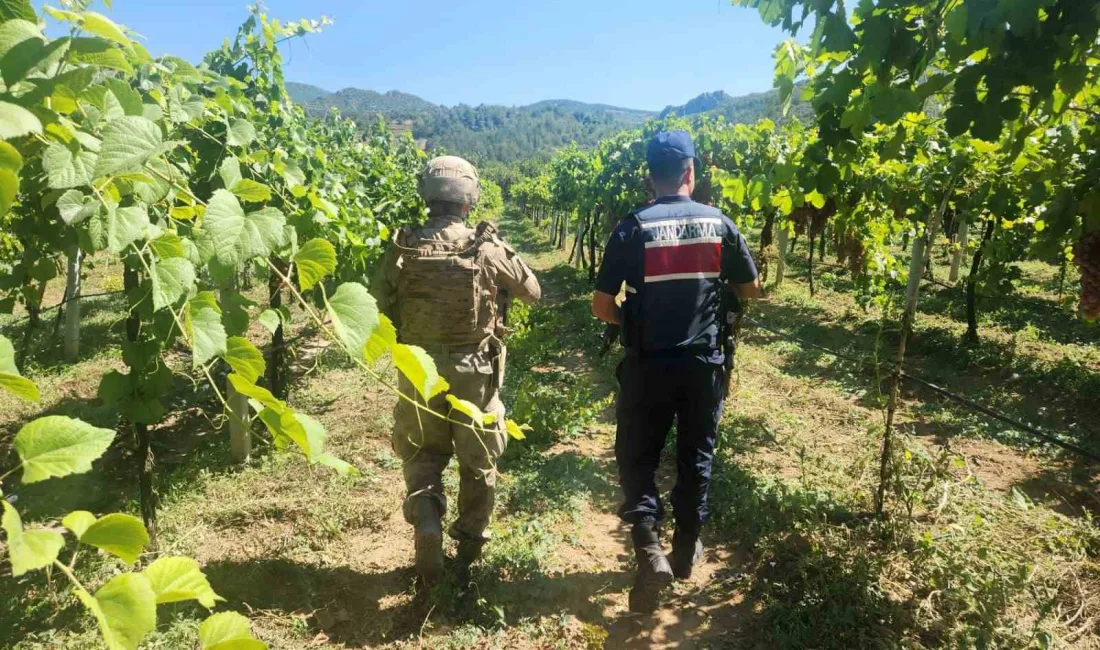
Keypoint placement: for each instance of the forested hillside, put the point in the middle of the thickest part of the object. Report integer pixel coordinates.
(745, 109)
(507, 134)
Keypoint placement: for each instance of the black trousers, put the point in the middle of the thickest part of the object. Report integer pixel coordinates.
(652, 393)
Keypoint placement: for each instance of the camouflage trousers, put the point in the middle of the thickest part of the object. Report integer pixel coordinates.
(426, 443)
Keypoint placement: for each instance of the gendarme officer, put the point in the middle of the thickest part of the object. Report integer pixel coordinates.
(683, 264)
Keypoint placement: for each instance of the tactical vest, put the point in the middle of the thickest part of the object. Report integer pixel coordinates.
(445, 295)
(676, 305)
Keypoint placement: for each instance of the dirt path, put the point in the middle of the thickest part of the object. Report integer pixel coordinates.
(695, 613)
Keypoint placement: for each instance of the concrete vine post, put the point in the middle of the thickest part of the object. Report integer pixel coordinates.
(72, 303)
(960, 250)
(240, 438)
(781, 247)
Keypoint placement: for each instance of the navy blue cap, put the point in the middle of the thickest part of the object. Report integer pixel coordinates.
(669, 147)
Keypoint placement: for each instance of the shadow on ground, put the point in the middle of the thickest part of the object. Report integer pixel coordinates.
(1055, 395)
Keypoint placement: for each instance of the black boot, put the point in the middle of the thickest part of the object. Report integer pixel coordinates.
(429, 540)
(687, 550)
(469, 552)
(654, 571)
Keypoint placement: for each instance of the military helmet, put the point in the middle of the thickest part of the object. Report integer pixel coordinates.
(449, 178)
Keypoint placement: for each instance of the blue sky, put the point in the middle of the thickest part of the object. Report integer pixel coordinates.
(638, 53)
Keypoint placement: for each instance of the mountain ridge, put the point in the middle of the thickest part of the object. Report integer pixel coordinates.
(512, 133)
(304, 93)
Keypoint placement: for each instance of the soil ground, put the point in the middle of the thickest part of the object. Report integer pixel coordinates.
(990, 542)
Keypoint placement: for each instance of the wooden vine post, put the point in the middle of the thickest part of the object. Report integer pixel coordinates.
(917, 265)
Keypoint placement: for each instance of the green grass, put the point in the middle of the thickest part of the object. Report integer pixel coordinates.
(990, 542)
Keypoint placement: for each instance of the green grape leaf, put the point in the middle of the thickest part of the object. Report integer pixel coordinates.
(125, 226)
(21, 387)
(123, 536)
(15, 32)
(469, 409)
(100, 53)
(172, 280)
(205, 300)
(101, 25)
(342, 468)
(251, 191)
(230, 171)
(816, 199)
(22, 48)
(316, 260)
(264, 232)
(223, 627)
(16, 121)
(9, 187)
(224, 225)
(64, 169)
(734, 189)
(381, 341)
(78, 522)
(515, 430)
(17, 9)
(245, 360)
(74, 207)
(168, 245)
(241, 133)
(207, 334)
(125, 609)
(28, 550)
(129, 98)
(419, 368)
(295, 178)
(112, 387)
(182, 213)
(315, 436)
(354, 315)
(783, 201)
(258, 393)
(10, 379)
(270, 320)
(112, 108)
(176, 579)
(128, 143)
(288, 427)
(57, 446)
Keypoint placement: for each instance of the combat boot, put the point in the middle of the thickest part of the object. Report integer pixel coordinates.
(469, 551)
(687, 550)
(654, 571)
(429, 540)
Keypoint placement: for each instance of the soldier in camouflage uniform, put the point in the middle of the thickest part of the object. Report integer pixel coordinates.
(447, 286)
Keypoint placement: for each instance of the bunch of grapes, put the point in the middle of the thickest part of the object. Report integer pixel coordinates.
(850, 249)
(1086, 254)
(767, 234)
(820, 217)
(801, 218)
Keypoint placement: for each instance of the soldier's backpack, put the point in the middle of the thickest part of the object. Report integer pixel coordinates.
(445, 296)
